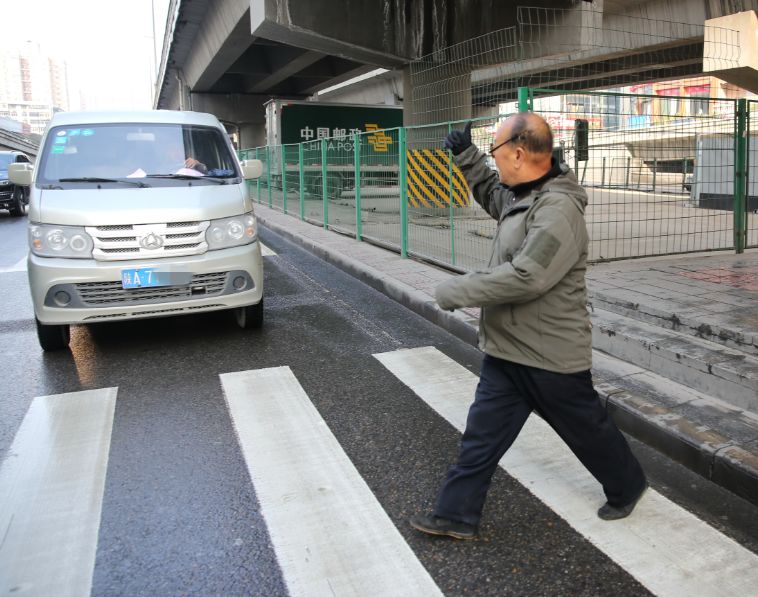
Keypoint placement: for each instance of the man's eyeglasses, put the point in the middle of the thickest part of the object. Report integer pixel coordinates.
(494, 148)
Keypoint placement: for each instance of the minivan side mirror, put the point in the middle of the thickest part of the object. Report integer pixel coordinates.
(20, 174)
(251, 169)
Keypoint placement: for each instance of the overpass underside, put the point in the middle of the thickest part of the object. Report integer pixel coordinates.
(457, 57)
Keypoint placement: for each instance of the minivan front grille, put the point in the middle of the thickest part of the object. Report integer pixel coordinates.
(148, 241)
(112, 294)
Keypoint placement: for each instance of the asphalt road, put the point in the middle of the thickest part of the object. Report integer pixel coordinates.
(180, 515)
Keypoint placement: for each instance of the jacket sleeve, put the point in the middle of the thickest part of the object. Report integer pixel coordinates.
(484, 182)
(549, 251)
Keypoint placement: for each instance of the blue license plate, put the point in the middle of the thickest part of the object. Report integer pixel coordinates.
(143, 278)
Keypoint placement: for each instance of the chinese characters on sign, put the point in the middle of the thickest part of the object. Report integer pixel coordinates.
(379, 140)
(322, 132)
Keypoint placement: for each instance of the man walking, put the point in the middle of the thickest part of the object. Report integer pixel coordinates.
(534, 327)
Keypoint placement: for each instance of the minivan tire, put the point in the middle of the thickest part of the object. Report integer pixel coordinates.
(250, 317)
(53, 337)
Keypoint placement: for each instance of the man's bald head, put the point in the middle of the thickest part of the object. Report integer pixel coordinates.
(530, 130)
(523, 148)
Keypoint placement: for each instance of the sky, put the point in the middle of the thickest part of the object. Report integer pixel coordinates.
(107, 44)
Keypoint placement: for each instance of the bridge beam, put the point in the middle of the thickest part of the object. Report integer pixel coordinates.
(730, 50)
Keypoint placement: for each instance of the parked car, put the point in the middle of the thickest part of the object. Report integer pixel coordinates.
(139, 214)
(13, 197)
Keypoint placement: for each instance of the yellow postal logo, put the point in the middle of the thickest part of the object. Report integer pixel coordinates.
(379, 140)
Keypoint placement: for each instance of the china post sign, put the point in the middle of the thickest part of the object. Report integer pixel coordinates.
(312, 122)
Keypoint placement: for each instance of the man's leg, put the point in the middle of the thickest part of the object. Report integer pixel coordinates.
(494, 421)
(570, 404)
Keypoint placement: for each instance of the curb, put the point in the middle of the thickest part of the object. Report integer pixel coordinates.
(697, 447)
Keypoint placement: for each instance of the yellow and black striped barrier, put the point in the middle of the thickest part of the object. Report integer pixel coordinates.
(429, 180)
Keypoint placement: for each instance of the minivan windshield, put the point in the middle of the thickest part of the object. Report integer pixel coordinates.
(112, 152)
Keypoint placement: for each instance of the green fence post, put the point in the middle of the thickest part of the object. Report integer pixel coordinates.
(268, 173)
(357, 160)
(523, 99)
(450, 184)
(302, 180)
(402, 163)
(258, 181)
(324, 188)
(740, 177)
(284, 178)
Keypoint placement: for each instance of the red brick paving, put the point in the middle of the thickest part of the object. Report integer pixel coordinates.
(745, 278)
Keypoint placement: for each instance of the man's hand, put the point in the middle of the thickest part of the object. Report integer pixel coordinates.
(195, 165)
(458, 141)
(444, 297)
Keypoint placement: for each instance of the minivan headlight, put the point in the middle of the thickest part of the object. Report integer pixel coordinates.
(232, 232)
(48, 240)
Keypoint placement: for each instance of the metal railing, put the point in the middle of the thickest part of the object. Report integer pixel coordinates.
(660, 182)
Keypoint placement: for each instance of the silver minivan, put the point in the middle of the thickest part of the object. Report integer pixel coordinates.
(139, 214)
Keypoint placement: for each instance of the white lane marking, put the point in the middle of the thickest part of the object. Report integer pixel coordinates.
(330, 534)
(19, 266)
(266, 251)
(51, 492)
(666, 548)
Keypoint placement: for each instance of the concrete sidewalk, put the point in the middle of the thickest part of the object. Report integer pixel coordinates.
(684, 332)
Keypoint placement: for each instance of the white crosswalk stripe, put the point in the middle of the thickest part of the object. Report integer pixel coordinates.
(51, 490)
(330, 534)
(667, 549)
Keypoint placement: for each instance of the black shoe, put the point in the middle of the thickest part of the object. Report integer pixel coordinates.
(608, 512)
(434, 525)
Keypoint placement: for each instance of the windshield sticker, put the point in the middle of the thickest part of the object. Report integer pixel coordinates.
(61, 133)
(57, 149)
(61, 141)
(87, 132)
(74, 132)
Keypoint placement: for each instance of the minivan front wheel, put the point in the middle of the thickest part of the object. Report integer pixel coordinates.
(52, 337)
(250, 316)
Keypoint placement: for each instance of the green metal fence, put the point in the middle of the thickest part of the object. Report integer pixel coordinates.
(751, 176)
(664, 175)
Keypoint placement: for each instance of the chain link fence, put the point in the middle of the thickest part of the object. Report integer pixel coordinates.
(660, 181)
(751, 169)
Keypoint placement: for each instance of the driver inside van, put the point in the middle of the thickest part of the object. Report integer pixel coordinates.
(171, 159)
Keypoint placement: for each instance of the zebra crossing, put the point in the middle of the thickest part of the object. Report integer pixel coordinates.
(329, 533)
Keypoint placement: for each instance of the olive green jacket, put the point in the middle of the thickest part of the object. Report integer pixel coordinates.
(532, 294)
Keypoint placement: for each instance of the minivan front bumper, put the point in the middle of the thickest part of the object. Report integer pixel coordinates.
(70, 291)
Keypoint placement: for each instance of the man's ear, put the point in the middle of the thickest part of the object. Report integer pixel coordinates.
(519, 157)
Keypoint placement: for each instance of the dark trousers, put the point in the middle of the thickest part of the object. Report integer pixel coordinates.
(507, 393)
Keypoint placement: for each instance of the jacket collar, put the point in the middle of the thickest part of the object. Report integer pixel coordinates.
(523, 188)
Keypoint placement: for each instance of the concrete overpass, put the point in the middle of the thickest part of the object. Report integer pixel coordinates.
(228, 57)
(17, 142)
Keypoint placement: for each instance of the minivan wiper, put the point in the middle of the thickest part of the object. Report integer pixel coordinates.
(136, 183)
(189, 177)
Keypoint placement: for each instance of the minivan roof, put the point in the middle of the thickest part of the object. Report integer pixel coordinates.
(143, 116)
